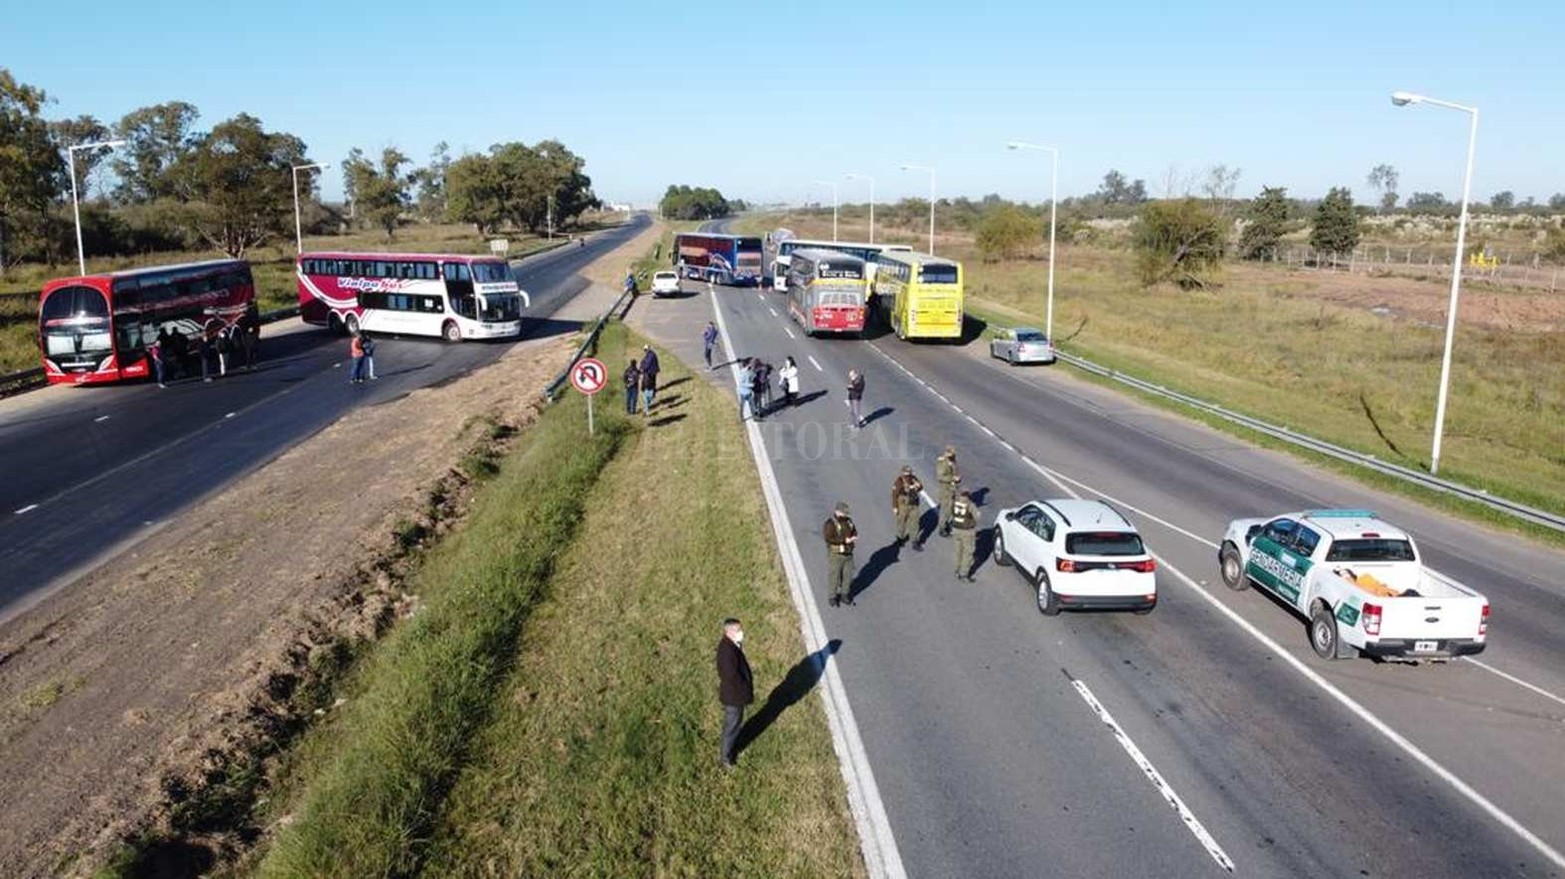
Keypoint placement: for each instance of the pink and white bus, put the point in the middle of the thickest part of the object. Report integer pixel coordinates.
(453, 296)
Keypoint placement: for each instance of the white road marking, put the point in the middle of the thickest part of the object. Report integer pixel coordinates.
(1514, 679)
(27, 509)
(230, 415)
(100, 419)
(882, 860)
(789, 331)
(813, 363)
(772, 310)
(1461, 787)
(1192, 823)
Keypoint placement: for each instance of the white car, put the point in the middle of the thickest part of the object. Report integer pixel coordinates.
(1022, 345)
(1078, 554)
(665, 284)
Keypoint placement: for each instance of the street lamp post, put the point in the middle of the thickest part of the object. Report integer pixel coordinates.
(298, 227)
(871, 202)
(931, 201)
(1403, 99)
(70, 153)
(1054, 191)
(833, 185)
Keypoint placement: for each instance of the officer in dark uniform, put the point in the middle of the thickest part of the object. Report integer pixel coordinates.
(840, 535)
(948, 477)
(905, 506)
(964, 534)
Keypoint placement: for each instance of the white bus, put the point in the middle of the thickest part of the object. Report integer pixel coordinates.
(865, 252)
(453, 296)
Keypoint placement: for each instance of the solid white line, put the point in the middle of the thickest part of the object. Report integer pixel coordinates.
(1309, 674)
(790, 333)
(813, 363)
(27, 509)
(1192, 823)
(100, 419)
(882, 860)
(1515, 680)
(229, 415)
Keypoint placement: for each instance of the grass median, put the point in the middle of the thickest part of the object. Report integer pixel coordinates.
(551, 710)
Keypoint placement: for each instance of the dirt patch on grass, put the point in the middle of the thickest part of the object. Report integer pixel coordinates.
(132, 690)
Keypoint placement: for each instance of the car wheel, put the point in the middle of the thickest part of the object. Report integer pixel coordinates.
(451, 331)
(1231, 569)
(1048, 602)
(1000, 558)
(1325, 640)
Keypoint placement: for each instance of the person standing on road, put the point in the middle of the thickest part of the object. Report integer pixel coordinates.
(369, 352)
(649, 377)
(746, 388)
(206, 355)
(841, 535)
(789, 374)
(856, 396)
(632, 386)
(763, 386)
(735, 687)
(905, 492)
(964, 534)
(155, 354)
(708, 342)
(356, 349)
(947, 477)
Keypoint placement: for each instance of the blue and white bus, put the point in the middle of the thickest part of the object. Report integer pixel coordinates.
(722, 259)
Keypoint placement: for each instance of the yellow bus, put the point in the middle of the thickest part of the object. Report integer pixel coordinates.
(918, 295)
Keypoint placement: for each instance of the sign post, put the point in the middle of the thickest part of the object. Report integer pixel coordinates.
(589, 375)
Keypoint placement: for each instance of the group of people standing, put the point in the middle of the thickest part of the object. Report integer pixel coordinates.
(641, 381)
(755, 386)
(958, 520)
(217, 348)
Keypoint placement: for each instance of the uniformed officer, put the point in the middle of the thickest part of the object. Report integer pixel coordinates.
(840, 535)
(964, 532)
(948, 477)
(905, 506)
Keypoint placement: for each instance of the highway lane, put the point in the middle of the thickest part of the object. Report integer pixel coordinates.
(989, 760)
(96, 469)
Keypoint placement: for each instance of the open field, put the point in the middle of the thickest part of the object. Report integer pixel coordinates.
(272, 266)
(1351, 359)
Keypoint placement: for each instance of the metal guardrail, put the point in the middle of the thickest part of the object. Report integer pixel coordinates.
(623, 302)
(1418, 477)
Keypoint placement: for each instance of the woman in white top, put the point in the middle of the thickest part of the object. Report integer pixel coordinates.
(790, 381)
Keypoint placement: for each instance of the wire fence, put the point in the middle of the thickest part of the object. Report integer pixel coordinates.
(1516, 270)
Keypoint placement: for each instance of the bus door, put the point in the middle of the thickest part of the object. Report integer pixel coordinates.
(459, 290)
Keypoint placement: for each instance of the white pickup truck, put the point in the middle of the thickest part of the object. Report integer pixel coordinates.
(1359, 581)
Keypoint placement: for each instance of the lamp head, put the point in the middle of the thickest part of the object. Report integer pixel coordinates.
(1402, 99)
(112, 144)
(1013, 144)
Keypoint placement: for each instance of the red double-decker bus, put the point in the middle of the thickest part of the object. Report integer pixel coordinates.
(97, 328)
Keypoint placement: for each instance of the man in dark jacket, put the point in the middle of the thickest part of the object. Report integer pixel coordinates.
(735, 689)
(649, 377)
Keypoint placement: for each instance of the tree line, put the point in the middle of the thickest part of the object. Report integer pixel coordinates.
(172, 185)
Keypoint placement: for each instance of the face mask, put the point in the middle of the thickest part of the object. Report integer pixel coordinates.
(739, 637)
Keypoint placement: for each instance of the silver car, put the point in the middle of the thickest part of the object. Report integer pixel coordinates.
(1022, 345)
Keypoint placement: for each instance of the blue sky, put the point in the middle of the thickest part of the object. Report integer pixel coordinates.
(762, 100)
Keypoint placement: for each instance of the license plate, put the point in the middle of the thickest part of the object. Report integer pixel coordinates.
(1425, 646)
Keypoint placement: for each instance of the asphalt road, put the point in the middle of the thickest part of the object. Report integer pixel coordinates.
(91, 470)
(973, 707)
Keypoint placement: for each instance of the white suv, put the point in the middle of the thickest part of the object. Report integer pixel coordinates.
(665, 283)
(1079, 554)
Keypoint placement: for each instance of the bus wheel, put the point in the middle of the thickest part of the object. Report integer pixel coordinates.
(351, 324)
(334, 324)
(451, 332)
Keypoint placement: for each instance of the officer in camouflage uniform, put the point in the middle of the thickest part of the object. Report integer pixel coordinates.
(964, 533)
(905, 506)
(840, 535)
(948, 477)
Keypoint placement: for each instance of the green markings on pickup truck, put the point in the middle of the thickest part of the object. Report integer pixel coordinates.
(1277, 568)
(1347, 614)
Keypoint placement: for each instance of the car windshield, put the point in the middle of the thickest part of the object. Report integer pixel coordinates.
(1030, 336)
(1105, 543)
(1371, 549)
(665, 276)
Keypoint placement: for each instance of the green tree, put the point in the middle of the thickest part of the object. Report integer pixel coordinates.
(238, 182)
(1557, 201)
(32, 172)
(1383, 179)
(381, 190)
(430, 184)
(1503, 201)
(1336, 226)
(156, 138)
(1430, 202)
(474, 193)
(1267, 216)
(1006, 231)
(1179, 241)
(693, 203)
(1116, 190)
(82, 129)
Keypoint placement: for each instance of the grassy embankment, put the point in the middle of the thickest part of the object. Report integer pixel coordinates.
(272, 266)
(1266, 343)
(551, 710)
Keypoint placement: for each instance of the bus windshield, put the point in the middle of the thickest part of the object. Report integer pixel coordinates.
(75, 321)
(491, 272)
(937, 274)
(501, 306)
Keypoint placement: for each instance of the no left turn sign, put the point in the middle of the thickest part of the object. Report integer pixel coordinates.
(589, 375)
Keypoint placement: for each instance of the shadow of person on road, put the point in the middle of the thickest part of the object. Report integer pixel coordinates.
(878, 414)
(879, 561)
(797, 684)
(983, 550)
(979, 495)
(928, 521)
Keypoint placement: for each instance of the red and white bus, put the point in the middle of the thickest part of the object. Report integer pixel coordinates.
(453, 296)
(97, 328)
(826, 291)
